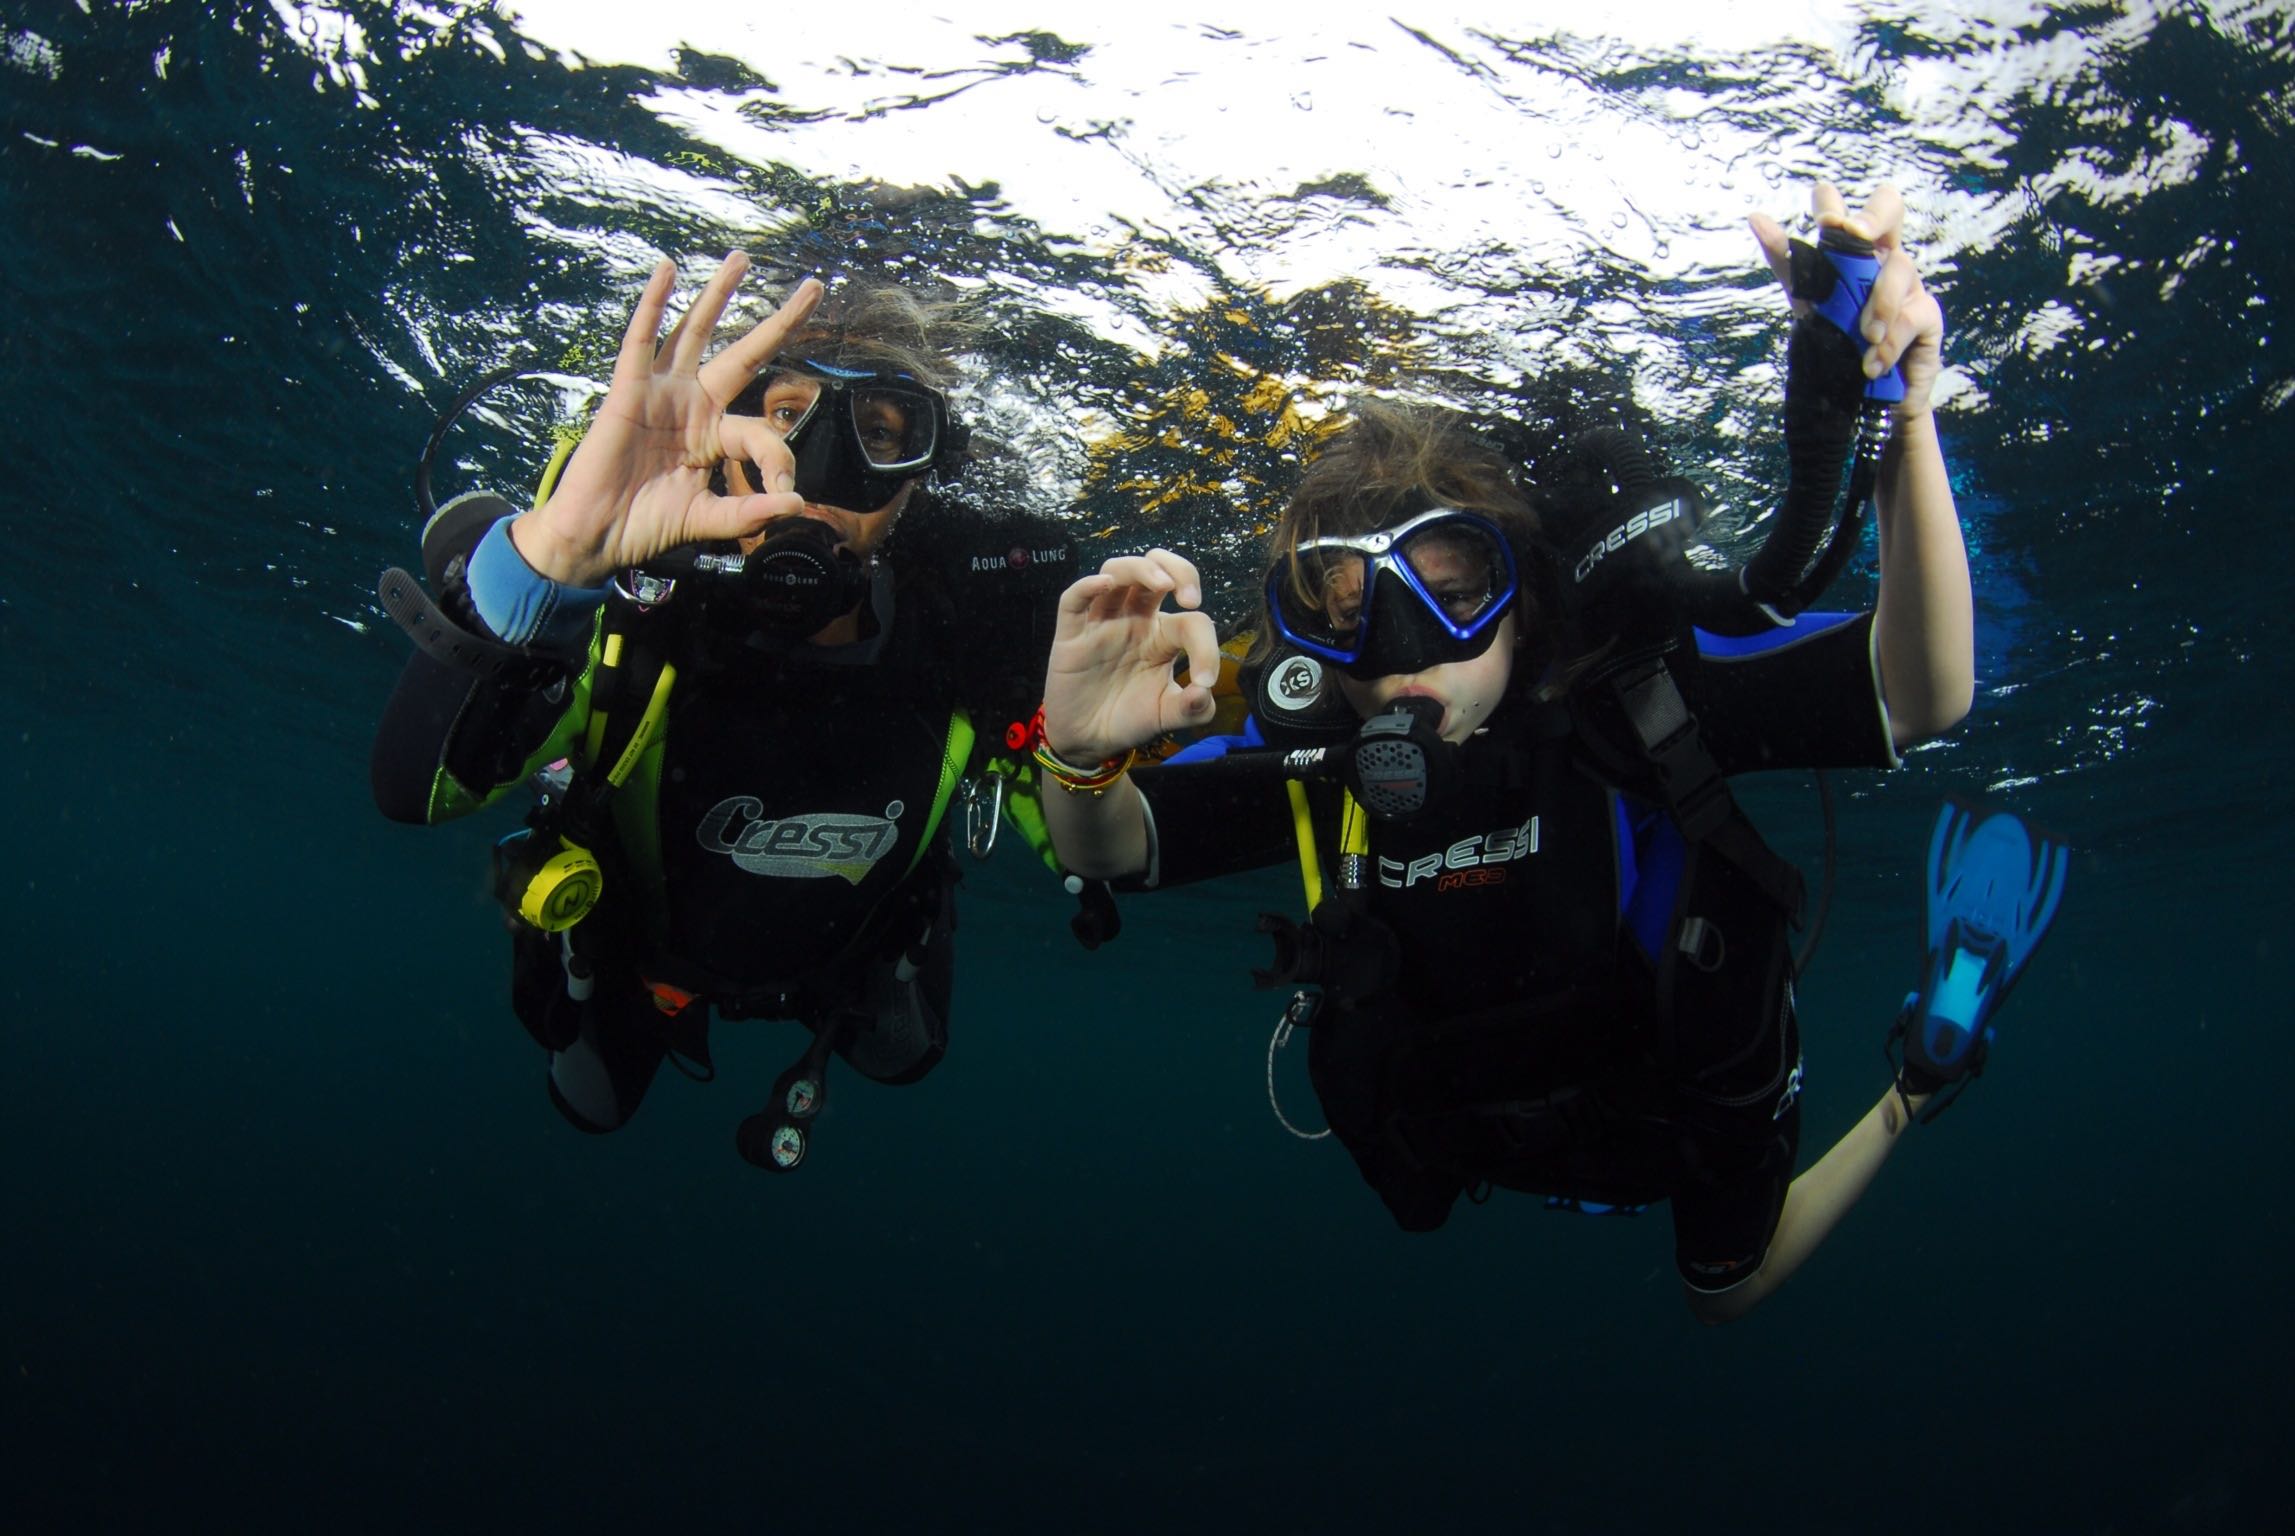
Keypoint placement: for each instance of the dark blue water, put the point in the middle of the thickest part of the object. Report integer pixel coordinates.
(293, 1240)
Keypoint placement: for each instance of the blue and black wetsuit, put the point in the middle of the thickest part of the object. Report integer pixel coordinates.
(1522, 1045)
(786, 842)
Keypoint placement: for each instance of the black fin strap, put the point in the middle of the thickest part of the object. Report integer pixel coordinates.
(442, 639)
(1912, 1079)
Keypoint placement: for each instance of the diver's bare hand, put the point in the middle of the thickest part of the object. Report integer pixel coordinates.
(1109, 686)
(639, 483)
(1902, 325)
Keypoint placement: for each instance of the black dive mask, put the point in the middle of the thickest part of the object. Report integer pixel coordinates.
(1431, 590)
(858, 436)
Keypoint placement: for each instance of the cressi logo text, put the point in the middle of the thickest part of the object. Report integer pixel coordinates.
(1625, 533)
(810, 845)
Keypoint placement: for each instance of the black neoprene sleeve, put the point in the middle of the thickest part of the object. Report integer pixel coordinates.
(441, 720)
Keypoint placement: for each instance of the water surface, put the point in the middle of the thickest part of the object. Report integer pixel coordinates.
(295, 1238)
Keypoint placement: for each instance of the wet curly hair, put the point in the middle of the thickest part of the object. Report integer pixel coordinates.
(873, 323)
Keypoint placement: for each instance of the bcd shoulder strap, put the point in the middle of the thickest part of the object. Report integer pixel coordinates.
(1668, 762)
(1724, 976)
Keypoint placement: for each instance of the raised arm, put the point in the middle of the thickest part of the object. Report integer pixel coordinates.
(639, 483)
(1815, 1204)
(1924, 626)
(1108, 687)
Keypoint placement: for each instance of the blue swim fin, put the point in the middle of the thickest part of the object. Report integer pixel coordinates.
(1993, 889)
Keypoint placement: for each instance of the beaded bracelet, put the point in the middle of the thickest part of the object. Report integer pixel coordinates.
(1082, 781)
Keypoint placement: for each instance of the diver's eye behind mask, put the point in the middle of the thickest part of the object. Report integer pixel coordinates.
(857, 436)
(1430, 590)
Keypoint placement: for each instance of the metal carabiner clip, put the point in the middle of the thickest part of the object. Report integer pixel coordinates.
(1299, 1013)
(983, 813)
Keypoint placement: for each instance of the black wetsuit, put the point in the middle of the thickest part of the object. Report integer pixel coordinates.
(793, 807)
(1523, 1045)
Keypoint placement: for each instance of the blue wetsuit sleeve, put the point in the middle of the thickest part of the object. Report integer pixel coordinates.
(521, 606)
(1804, 696)
(1804, 629)
(1211, 747)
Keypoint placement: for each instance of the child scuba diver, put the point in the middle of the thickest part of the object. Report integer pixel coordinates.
(1551, 953)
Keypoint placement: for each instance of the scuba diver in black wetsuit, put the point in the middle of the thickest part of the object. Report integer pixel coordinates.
(1546, 950)
(749, 704)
